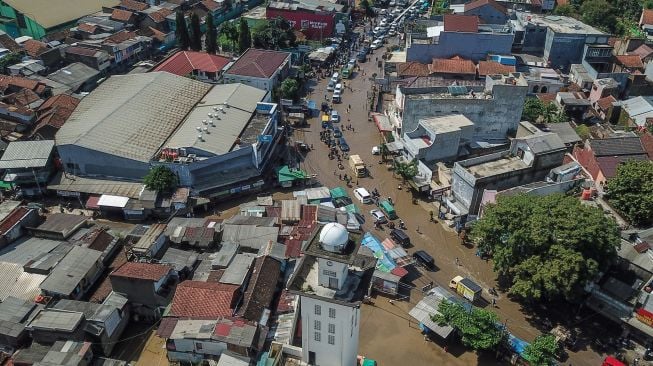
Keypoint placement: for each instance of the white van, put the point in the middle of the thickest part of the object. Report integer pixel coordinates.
(363, 195)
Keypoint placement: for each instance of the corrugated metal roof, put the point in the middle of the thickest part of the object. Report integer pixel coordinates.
(238, 269)
(71, 183)
(249, 236)
(14, 281)
(66, 10)
(23, 251)
(238, 103)
(69, 272)
(132, 115)
(26, 154)
(291, 210)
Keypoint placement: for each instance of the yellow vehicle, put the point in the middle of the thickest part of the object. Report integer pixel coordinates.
(357, 165)
(466, 288)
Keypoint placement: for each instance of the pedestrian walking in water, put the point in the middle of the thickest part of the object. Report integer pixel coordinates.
(494, 303)
(457, 261)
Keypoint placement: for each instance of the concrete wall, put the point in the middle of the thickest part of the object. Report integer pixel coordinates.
(534, 38)
(492, 118)
(139, 292)
(347, 326)
(561, 50)
(98, 164)
(489, 15)
(473, 46)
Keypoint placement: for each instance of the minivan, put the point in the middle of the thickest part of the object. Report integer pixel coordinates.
(424, 258)
(336, 98)
(362, 195)
(400, 237)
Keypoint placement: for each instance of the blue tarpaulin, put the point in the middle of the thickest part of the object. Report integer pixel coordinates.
(517, 345)
(384, 262)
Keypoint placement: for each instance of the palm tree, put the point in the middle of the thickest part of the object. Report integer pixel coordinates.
(384, 151)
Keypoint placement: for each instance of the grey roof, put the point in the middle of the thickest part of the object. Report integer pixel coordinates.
(238, 103)
(428, 306)
(249, 236)
(629, 145)
(638, 108)
(131, 116)
(179, 259)
(69, 272)
(66, 10)
(73, 75)
(62, 223)
(27, 154)
(31, 355)
(7, 207)
(232, 359)
(14, 281)
(15, 313)
(566, 133)
(251, 220)
(116, 300)
(24, 250)
(238, 269)
(71, 183)
(66, 353)
(543, 143)
(224, 256)
(56, 320)
(91, 311)
(45, 262)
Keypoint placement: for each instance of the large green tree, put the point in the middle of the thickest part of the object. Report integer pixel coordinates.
(407, 170)
(244, 36)
(274, 34)
(160, 179)
(598, 13)
(289, 89)
(541, 351)
(231, 32)
(195, 33)
(211, 39)
(631, 191)
(478, 328)
(536, 110)
(183, 39)
(546, 247)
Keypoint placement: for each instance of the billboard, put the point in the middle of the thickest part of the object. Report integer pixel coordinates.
(314, 25)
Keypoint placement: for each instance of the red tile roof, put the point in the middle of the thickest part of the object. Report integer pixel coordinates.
(21, 82)
(546, 97)
(412, 68)
(12, 219)
(293, 248)
(203, 300)
(166, 327)
(452, 66)
(609, 164)
(647, 17)
(460, 23)
(492, 68)
(88, 28)
(184, 62)
(211, 5)
(34, 48)
(121, 15)
(82, 51)
(133, 5)
(631, 61)
(478, 3)
(120, 37)
(105, 288)
(62, 101)
(22, 97)
(261, 288)
(142, 271)
(642, 51)
(258, 63)
(647, 144)
(606, 102)
(157, 34)
(160, 15)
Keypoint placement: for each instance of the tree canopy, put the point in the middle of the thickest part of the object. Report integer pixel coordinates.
(274, 34)
(598, 13)
(546, 247)
(289, 89)
(407, 170)
(183, 39)
(196, 33)
(211, 39)
(230, 32)
(244, 36)
(478, 327)
(160, 179)
(537, 111)
(541, 351)
(630, 191)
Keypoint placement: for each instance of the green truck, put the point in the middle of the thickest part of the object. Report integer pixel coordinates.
(388, 209)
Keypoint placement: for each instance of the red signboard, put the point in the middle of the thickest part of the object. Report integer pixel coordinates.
(644, 316)
(315, 26)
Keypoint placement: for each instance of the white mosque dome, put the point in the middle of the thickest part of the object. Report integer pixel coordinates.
(334, 237)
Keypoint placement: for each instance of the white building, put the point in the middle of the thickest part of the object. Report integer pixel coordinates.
(331, 280)
(263, 69)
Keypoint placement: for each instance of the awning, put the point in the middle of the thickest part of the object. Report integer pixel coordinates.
(338, 192)
(394, 146)
(112, 201)
(92, 203)
(382, 122)
(6, 185)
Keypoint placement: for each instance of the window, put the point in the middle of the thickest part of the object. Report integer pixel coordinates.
(20, 20)
(326, 272)
(332, 339)
(317, 325)
(332, 313)
(332, 328)
(198, 345)
(318, 310)
(318, 336)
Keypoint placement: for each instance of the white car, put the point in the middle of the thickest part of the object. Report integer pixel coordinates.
(377, 44)
(335, 77)
(338, 89)
(335, 117)
(376, 150)
(378, 216)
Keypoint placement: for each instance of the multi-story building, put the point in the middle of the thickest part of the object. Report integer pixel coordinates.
(331, 280)
(462, 36)
(560, 39)
(494, 109)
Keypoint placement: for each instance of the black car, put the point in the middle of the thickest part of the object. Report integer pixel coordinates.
(336, 132)
(344, 147)
(400, 237)
(424, 259)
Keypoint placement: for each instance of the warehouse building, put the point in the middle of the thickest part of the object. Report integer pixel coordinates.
(218, 139)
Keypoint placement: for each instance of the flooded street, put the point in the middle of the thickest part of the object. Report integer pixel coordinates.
(385, 332)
